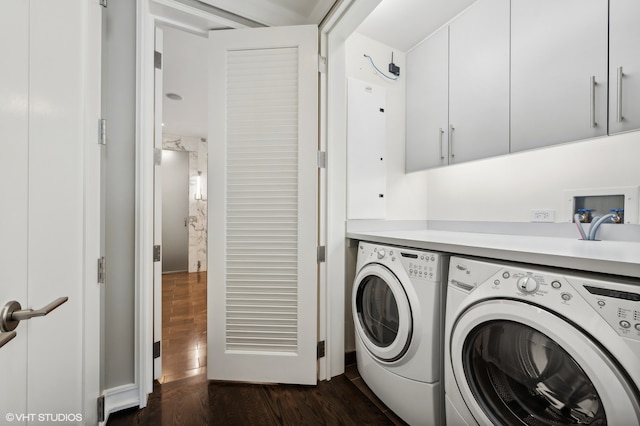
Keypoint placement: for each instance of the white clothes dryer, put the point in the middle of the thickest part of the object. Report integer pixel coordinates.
(529, 345)
(398, 314)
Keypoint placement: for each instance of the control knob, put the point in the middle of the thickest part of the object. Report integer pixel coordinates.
(528, 284)
(381, 253)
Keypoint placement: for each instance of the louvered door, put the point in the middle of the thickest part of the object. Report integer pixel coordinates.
(263, 139)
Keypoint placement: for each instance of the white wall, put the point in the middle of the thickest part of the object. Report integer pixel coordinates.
(506, 188)
(406, 193)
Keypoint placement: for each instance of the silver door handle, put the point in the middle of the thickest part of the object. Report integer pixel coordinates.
(440, 133)
(6, 337)
(12, 313)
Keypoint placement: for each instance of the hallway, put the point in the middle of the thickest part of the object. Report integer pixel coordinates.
(184, 325)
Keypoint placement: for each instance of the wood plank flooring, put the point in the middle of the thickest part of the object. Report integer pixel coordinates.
(183, 395)
(184, 325)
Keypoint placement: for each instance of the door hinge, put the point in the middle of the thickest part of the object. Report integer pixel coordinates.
(321, 349)
(157, 156)
(157, 60)
(322, 64)
(322, 254)
(102, 131)
(102, 270)
(156, 350)
(156, 253)
(103, 3)
(322, 159)
(101, 408)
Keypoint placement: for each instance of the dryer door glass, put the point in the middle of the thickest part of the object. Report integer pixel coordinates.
(521, 376)
(377, 311)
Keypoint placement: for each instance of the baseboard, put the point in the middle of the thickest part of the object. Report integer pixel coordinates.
(120, 398)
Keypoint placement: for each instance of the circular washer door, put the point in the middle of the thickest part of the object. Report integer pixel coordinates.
(517, 364)
(381, 313)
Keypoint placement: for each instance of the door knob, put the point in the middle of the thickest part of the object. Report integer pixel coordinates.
(12, 313)
(6, 337)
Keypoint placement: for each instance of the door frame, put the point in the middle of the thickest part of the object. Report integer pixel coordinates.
(334, 30)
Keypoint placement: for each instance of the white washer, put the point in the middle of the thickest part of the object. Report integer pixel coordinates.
(398, 315)
(540, 346)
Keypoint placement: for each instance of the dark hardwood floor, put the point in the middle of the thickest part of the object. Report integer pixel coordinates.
(183, 395)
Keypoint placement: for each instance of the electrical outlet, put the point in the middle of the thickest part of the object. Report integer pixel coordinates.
(540, 215)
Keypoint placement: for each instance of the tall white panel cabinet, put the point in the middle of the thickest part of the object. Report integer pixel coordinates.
(458, 90)
(479, 82)
(366, 150)
(558, 71)
(624, 65)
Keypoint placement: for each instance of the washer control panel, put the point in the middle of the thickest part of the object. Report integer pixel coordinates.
(617, 303)
(616, 300)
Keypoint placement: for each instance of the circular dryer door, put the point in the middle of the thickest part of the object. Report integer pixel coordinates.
(518, 364)
(381, 313)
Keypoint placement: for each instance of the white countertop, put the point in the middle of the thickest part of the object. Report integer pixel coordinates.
(610, 257)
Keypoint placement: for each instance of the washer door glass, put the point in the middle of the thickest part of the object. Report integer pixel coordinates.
(521, 376)
(382, 313)
(378, 311)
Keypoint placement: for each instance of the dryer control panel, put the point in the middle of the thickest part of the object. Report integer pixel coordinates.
(420, 264)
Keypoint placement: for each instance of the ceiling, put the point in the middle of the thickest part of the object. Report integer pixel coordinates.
(399, 24)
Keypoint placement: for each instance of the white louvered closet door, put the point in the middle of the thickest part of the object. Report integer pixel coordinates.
(263, 139)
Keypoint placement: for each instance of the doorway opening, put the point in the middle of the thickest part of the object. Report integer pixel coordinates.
(184, 211)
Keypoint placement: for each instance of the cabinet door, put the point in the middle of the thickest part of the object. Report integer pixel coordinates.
(479, 82)
(624, 66)
(558, 71)
(427, 96)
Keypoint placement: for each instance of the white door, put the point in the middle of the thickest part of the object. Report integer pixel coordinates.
(263, 141)
(157, 204)
(50, 214)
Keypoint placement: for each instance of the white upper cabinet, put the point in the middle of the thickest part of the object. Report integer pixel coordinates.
(479, 82)
(458, 90)
(558, 71)
(427, 103)
(624, 66)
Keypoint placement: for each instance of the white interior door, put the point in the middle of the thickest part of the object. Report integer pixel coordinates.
(157, 206)
(263, 141)
(49, 219)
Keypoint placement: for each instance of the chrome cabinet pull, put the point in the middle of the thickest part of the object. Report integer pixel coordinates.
(6, 337)
(593, 101)
(12, 313)
(619, 117)
(440, 136)
(451, 129)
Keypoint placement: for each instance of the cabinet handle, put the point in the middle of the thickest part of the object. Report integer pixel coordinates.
(592, 87)
(451, 129)
(441, 132)
(619, 105)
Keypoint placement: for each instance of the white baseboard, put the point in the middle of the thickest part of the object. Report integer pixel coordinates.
(120, 398)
